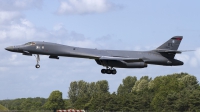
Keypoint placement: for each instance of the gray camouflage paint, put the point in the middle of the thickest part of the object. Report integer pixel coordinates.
(163, 55)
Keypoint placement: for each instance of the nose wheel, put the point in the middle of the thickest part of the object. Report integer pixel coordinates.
(37, 66)
(37, 56)
(109, 71)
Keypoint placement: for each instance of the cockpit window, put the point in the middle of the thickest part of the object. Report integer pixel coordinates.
(30, 43)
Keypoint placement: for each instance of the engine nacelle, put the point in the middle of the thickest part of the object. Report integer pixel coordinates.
(136, 65)
(121, 64)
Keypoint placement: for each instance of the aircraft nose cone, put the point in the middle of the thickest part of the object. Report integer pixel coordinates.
(9, 48)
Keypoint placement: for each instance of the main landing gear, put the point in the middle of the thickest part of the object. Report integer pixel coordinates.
(109, 71)
(37, 56)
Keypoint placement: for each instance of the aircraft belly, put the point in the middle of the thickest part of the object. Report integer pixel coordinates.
(157, 60)
(121, 64)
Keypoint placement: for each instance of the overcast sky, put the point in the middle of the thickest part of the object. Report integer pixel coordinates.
(102, 24)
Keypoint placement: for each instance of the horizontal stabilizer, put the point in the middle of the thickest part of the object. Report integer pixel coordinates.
(171, 51)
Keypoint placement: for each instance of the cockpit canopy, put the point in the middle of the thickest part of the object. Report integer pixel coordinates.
(30, 43)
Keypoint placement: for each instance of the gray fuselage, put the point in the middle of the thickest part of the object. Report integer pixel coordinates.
(54, 50)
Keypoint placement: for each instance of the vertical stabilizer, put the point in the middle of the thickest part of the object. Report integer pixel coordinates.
(172, 44)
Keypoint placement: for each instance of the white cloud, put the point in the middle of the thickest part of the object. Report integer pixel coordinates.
(194, 62)
(58, 27)
(21, 30)
(84, 6)
(13, 57)
(11, 10)
(3, 34)
(183, 57)
(12, 24)
(26, 23)
(24, 30)
(85, 43)
(137, 48)
(197, 53)
(3, 69)
(8, 16)
(13, 5)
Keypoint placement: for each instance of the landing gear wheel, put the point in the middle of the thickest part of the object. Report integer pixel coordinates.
(108, 71)
(103, 71)
(37, 66)
(114, 71)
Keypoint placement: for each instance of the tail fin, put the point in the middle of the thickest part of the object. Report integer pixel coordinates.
(170, 48)
(172, 44)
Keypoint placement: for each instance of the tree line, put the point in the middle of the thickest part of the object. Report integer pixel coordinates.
(175, 92)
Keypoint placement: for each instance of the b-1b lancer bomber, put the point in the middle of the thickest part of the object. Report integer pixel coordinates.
(110, 59)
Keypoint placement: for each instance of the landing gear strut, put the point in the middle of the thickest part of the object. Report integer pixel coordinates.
(109, 71)
(37, 56)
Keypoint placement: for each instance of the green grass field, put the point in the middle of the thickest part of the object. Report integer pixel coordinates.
(2, 108)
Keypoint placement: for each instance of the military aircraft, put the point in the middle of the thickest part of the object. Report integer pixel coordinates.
(163, 55)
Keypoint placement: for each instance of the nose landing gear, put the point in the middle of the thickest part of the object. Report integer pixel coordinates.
(37, 56)
(109, 71)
